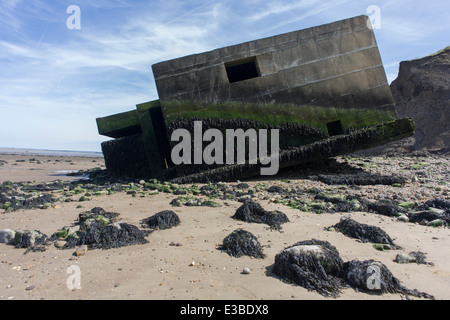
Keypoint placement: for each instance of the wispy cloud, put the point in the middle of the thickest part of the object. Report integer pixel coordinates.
(279, 7)
(7, 14)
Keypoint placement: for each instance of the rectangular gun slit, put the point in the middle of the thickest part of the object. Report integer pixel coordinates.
(241, 70)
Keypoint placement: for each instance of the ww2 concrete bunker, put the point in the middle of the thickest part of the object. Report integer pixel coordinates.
(324, 87)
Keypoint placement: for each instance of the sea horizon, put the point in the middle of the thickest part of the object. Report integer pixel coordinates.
(49, 152)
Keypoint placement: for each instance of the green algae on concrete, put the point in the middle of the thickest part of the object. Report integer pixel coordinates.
(277, 114)
(119, 125)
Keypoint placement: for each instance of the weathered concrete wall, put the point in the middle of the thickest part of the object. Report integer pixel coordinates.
(335, 65)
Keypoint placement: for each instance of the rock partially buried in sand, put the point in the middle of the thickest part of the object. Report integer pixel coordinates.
(412, 257)
(312, 264)
(436, 223)
(252, 211)
(242, 243)
(95, 235)
(246, 271)
(31, 240)
(374, 276)
(162, 220)
(364, 232)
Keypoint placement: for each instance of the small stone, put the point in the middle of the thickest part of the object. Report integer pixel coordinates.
(192, 264)
(81, 251)
(46, 205)
(59, 244)
(29, 288)
(381, 246)
(403, 218)
(246, 271)
(245, 198)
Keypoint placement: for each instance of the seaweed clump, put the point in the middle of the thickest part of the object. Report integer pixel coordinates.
(31, 240)
(242, 243)
(114, 235)
(374, 276)
(99, 229)
(312, 264)
(252, 212)
(364, 232)
(432, 210)
(385, 208)
(162, 220)
(360, 179)
(437, 203)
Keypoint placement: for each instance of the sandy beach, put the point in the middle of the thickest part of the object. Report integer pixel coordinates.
(185, 263)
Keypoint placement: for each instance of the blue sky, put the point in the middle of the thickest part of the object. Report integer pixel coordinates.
(55, 81)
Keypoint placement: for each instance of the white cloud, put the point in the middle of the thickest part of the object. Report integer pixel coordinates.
(279, 7)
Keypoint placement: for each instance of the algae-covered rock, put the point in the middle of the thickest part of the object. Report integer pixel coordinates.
(252, 211)
(364, 232)
(31, 240)
(312, 264)
(242, 243)
(436, 223)
(162, 220)
(374, 276)
(407, 205)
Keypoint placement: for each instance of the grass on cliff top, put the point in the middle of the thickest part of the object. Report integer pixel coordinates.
(277, 114)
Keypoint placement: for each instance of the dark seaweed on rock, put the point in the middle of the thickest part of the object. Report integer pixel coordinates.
(312, 264)
(306, 132)
(242, 243)
(275, 189)
(119, 235)
(301, 133)
(384, 208)
(31, 240)
(97, 231)
(24, 201)
(109, 215)
(436, 203)
(374, 276)
(252, 212)
(360, 179)
(316, 151)
(420, 257)
(97, 212)
(116, 235)
(162, 220)
(364, 232)
(423, 217)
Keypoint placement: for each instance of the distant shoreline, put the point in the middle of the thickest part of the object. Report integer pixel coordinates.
(54, 153)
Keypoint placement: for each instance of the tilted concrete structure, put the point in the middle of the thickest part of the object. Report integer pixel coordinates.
(312, 84)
